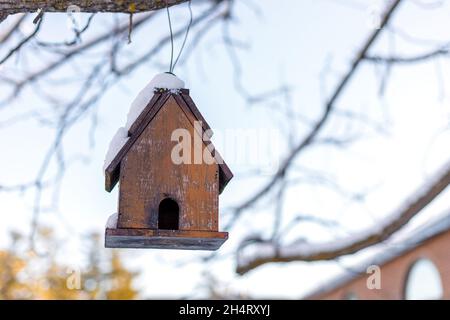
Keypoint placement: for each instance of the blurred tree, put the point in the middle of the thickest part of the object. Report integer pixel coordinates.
(26, 274)
(121, 280)
(10, 285)
(107, 281)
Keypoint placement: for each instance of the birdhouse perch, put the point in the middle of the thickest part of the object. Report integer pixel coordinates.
(163, 204)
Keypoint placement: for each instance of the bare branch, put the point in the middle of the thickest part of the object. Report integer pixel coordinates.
(319, 125)
(67, 56)
(22, 42)
(14, 6)
(266, 252)
(77, 38)
(444, 50)
(5, 36)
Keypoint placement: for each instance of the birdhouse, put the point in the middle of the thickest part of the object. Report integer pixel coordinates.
(167, 198)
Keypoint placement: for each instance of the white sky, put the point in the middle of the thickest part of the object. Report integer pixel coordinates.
(291, 42)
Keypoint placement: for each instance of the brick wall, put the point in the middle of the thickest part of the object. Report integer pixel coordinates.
(395, 273)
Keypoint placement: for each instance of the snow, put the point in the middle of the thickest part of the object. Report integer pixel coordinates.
(117, 142)
(111, 223)
(301, 247)
(162, 80)
(262, 250)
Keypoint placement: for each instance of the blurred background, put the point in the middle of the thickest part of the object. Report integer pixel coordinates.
(334, 117)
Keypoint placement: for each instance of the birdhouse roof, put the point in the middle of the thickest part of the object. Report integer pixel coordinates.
(160, 97)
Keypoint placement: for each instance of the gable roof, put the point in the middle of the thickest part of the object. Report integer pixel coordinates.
(160, 97)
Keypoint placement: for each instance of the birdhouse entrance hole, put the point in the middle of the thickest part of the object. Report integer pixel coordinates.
(168, 214)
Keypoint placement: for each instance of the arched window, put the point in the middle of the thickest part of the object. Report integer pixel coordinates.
(423, 281)
(168, 214)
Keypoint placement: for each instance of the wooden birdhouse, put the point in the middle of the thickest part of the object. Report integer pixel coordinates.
(163, 203)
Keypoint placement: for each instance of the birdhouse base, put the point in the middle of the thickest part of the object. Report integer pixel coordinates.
(164, 239)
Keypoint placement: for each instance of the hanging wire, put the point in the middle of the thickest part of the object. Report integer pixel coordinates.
(172, 63)
(185, 36)
(171, 39)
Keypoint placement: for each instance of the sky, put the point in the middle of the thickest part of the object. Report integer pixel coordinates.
(306, 45)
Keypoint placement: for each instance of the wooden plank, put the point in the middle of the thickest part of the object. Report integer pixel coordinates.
(225, 175)
(191, 105)
(204, 234)
(186, 103)
(143, 114)
(164, 239)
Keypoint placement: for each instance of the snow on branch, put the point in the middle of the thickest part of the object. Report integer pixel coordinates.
(253, 254)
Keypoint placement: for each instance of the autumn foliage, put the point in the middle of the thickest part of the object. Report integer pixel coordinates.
(44, 273)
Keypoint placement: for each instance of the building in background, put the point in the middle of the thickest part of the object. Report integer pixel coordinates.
(418, 267)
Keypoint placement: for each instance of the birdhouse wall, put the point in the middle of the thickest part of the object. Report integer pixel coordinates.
(148, 175)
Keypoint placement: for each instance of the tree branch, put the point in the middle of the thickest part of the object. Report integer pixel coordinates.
(266, 252)
(6, 35)
(319, 125)
(22, 42)
(68, 55)
(444, 50)
(3, 16)
(8, 7)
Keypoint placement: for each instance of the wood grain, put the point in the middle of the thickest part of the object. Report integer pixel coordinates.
(112, 173)
(164, 239)
(148, 175)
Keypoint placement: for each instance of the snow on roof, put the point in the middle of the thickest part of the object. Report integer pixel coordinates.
(162, 80)
(402, 245)
(117, 142)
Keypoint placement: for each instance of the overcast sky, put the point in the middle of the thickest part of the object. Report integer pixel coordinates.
(292, 43)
